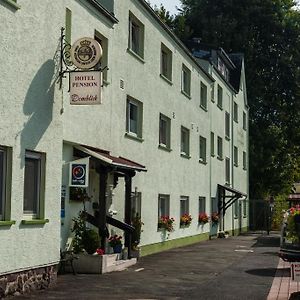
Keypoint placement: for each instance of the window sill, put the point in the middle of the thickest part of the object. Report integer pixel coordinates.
(7, 223)
(186, 94)
(212, 155)
(201, 161)
(138, 57)
(204, 108)
(12, 4)
(236, 121)
(184, 155)
(220, 107)
(245, 169)
(165, 148)
(133, 137)
(169, 81)
(227, 138)
(220, 158)
(34, 221)
(236, 165)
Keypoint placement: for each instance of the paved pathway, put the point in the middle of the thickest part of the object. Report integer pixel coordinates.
(235, 268)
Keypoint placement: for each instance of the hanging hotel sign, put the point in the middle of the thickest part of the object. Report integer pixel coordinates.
(85, 88)
(79, 173)
(86, 53)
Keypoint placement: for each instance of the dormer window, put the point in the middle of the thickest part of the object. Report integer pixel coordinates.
(223, 69)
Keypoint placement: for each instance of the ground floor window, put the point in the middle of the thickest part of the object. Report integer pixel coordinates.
(163, 205)
(245, 208)
(136, 204)
(214, 205)
(2, 181)
(202, 205)
(33, 183)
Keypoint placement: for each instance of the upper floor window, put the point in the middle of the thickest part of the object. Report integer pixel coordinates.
(164, 131)
(244, 160)
(103, 41)
(227, 125)
(134, 117)
(220, 148)
(244, 121)
(186, 81)
(136, 36)
(235, 112)
(236, 156)
(220, 97)
(212, 144)
(202, 152)
(34, 183)
(203, 95)
(166, 62)
(223, 69)
(227, 170)
(212, 92)
(185, 141)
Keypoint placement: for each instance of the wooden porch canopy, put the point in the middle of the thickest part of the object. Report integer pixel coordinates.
(120, 167)
(226, 197)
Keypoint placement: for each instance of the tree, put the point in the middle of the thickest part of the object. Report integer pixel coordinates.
(267, 32)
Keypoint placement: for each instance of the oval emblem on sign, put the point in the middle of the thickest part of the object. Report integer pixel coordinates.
(86, 53)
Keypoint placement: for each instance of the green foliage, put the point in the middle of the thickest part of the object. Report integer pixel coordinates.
(280, 206)
(268, 33)
(136, 235)
(84, 238)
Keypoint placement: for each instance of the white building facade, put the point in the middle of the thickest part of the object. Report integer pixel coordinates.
(170, 135)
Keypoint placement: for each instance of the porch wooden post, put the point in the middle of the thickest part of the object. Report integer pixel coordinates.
(128, 210)
(103, 174)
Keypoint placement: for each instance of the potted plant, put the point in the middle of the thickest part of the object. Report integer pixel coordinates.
(293, 225)
(185, 220)
(166, 223)
(136, 235)
(214, 218)
(116, 243)
(203, 218)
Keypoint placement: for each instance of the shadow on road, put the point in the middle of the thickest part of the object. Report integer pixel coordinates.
(269, 272)
(267, 241)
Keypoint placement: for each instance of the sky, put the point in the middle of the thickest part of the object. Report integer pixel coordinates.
(170, 5)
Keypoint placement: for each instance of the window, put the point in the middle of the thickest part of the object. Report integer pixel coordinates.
(202, 205)
(227, 170)
(220, 97)
(244, 160)
(103, 41)
(136, 204)
(223, 69)
(34, 183)
(220, 148)
(214, 205)
(227, 125)
(166, 62)
(186, 81)
(236, 156)
(184, 205)
(13, 3)
(236, 209)
(163, 205)
(202, 153)
(134, 117)
(245, 208)
(68, 26)
(212, 92)
(203, 96)
(2, 182)
(185, 141)
(164, 131)
(136, 36)
(235, 112)
(244, 121)
(212, 144)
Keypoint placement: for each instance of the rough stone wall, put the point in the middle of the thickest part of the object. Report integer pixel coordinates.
(27, 281)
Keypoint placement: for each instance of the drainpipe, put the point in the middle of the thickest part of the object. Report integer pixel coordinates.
(232, 156)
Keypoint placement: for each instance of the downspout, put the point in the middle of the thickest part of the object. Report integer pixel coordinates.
(232, 158)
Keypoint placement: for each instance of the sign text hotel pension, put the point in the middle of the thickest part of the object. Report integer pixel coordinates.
(85, 86)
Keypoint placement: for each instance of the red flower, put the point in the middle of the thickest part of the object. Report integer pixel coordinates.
(100, 251)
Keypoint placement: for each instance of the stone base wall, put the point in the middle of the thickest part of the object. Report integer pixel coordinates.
(27, 281)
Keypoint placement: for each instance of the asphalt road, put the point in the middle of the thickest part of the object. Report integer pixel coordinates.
(240, 267)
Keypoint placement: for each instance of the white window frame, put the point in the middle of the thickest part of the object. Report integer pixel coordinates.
(166, 62)
(220, 97)
(186, 80)
(184, 142)
(3, 174)
(236, 156)
(227, 170)
(220, 148)
(184, 209)
(235, 112)
(163, 206)
(212, 144)
(212, 92)
(137, 46)
(244, 160)
(244, 121)
(203, 95)
(167, 142)
(139, 118)
(227, 125)
(40, 185)
(202, 149)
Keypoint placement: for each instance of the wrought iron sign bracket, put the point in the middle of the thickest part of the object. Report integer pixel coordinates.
(65, 62)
